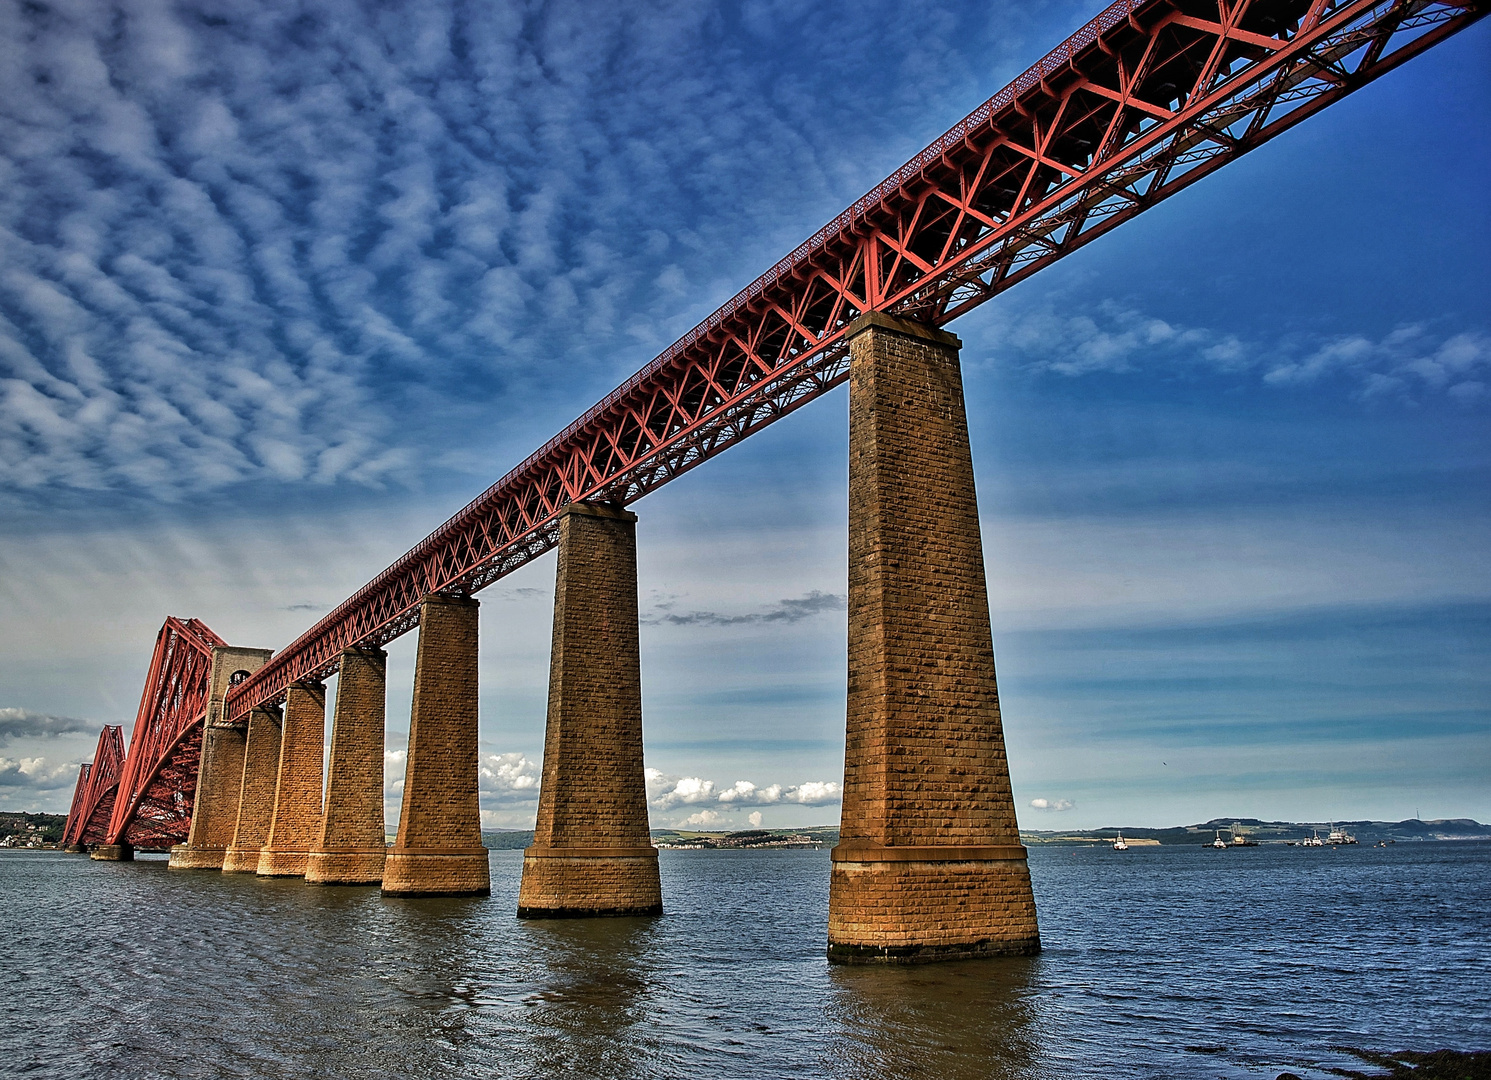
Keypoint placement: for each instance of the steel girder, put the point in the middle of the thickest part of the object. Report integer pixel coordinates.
(98, 786)
(1146, 99)
(78, 791)
(158, 781)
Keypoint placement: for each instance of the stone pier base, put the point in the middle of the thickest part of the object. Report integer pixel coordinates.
(929, 864)
(359, 867)
(592, 853)
(578, 883)
(460, 872)
(439, 850)
(186, 857)
(893, 905)
(113, 853)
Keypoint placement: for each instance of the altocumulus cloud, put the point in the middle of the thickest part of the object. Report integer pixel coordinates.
(1410, 362)
(268, 242)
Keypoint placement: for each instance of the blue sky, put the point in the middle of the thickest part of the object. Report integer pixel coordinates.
(282, 287)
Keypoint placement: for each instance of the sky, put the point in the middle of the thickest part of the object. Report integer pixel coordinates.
(283, 286)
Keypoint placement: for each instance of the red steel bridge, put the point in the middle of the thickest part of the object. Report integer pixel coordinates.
(144, 799)
(1146, 99)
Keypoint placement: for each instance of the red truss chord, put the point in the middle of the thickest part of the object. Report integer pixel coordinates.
(1146, 99)
(98, 785)
(158, 781)
(78, 792)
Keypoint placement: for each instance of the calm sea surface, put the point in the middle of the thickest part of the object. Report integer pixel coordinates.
(1159, 962)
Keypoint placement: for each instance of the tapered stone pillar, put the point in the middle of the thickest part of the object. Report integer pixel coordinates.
(350, 849)
(220, 775)
(929, 864)
(261, 764)
(438, 851)
(592, 853)
(296, 823)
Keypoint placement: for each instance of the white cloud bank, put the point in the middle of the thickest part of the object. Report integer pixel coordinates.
(509, 785)
(1052, 804)
(666, 792)
(25, 724)
(36, 774)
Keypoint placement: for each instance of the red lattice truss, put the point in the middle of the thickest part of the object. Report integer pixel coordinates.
(1146, 99)
(144, 798)
(98, 784)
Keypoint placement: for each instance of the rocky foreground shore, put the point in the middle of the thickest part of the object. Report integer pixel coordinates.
(1414, 1065)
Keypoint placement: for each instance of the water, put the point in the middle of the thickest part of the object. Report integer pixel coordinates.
(1159, 962)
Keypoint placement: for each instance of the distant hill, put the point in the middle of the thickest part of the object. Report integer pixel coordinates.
(24, 826)
(507, 839)
(1366, 832)
(812, 837)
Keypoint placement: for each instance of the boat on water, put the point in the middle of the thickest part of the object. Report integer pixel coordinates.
(1339, 836)
(1238, 840)
(1314, 840)
(1119, 844)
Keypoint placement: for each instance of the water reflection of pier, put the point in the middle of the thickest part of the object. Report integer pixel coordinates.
(949, 1021)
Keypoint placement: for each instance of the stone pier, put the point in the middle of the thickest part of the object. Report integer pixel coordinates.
(220, 776)
(296, 822)
(350, 848)
(592, 853)
(113, 853)
(439, 850)
(261, 763)
(929, 864)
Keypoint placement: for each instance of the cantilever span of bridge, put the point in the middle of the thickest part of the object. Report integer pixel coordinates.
(225, 759)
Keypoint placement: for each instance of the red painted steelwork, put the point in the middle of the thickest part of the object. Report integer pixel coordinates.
(159, 779)
(98, 786)
(1144, 100)
(78, 792)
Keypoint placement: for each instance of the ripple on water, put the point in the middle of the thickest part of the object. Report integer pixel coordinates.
(1159, 962)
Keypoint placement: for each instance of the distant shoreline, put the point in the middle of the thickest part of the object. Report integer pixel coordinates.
(1255, 830)
(1268, 832)
(20, 829)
